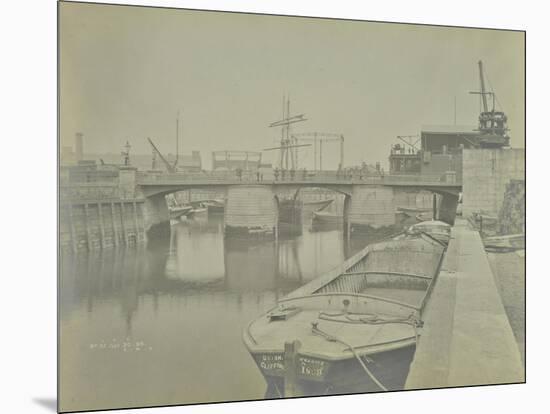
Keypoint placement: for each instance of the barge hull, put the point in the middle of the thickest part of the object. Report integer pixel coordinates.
(321, 377)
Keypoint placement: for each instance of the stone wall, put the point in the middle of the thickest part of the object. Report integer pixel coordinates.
(127, 182)
(511, 217)
(486, 173)
(413, 198)
(155, 211)
(250, 207)
(94, 225)
(439, 164)
(371, 206)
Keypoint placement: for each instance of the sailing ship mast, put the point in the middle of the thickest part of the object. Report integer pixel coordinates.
(288, 156)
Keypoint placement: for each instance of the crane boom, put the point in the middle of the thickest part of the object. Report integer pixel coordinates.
(482, 83)
(407, 140)
(168, 166)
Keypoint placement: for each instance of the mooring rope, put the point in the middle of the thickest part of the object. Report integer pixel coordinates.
(332, 338)
(368, 318)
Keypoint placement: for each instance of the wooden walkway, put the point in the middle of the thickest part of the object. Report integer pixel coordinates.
(466, 339)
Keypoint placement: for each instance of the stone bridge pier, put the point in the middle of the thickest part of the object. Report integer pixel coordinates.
(447, 208)
(156, 216)
(251, 209)
(369, 207)
(257, 208)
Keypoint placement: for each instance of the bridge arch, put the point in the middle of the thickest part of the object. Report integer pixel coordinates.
(366, 203)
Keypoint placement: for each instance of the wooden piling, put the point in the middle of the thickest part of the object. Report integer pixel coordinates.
(143, 229)
(88, 231)
(115, 228)
(291, 362)
(74, 240)
(481, 225)
(101, 224)
(124, 232)
(136, 227)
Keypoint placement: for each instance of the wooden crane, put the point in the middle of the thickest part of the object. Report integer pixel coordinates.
(169, 167)
(492, 123)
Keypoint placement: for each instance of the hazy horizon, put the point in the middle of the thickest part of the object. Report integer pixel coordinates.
(126, 71)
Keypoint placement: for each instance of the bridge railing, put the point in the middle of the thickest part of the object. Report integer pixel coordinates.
(207, 176)
(321, 177)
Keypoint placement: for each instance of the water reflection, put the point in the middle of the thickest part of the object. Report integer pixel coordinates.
(186, 299)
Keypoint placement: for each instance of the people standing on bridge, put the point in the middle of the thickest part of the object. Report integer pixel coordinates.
(276, 173)
(239, 172)
(258, 175)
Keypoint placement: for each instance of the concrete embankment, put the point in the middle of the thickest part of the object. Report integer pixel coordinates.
(467, 338)
(509, 271)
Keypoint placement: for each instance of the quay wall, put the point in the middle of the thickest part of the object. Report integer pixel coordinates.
(466, 338)
(94, 215)
(486, 173)
(100, 224)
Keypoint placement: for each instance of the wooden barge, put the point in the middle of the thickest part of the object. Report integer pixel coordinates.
(433, 228)
(353, 329)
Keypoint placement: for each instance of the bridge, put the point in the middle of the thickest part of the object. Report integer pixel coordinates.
(113, 205)
(252, 200)
(436, 183)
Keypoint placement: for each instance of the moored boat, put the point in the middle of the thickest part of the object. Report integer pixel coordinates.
(199, 211)
(434, 228)
(413, 211)
(327, 217)
(506, 243)
(215, 206)
(179, 211)
(316, 205)
(355, 328)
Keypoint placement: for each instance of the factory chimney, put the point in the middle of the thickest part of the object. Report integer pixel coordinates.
(79, 149)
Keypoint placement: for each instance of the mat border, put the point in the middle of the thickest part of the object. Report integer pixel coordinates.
(58, 105)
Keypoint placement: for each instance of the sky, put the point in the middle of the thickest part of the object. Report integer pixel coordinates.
(125, 72)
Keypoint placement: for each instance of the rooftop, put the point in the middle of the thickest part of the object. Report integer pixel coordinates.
(450, 129)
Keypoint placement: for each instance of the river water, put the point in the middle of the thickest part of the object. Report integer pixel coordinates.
(161, 324)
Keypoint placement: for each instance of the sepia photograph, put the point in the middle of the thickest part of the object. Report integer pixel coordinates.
(260, 206)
